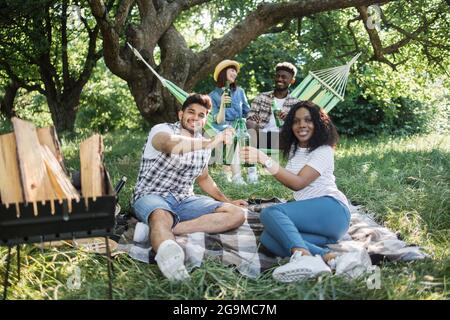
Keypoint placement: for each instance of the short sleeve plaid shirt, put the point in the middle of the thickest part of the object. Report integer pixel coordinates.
(262, 107)
(171, 173)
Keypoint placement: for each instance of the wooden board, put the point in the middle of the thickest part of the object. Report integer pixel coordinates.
(48, 137)
(92, 170)
(10, 185)
(35, 181)
(61, 183)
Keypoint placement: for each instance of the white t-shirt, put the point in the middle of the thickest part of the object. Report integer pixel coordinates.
(149, 151)
(272, 125)
(321, 160)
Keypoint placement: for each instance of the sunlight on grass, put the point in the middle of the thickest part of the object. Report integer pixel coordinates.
(404, 182)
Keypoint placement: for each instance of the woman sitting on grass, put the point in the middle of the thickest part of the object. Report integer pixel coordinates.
(320, 213)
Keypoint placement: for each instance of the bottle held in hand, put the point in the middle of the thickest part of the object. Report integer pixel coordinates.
(227, 92)
(228, 151)
(276, 113)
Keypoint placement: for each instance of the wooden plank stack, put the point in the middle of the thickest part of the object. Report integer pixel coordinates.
(32, 168)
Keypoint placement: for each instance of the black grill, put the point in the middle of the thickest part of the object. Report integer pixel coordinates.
(97, 219)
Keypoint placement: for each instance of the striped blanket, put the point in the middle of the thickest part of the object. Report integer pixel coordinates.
(241, 247)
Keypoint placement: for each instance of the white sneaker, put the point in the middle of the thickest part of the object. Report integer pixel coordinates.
(227, 176)
(238, 180)
(252, 176)
(170, 259)
(141, 232)
(301, 267)
(353, 264)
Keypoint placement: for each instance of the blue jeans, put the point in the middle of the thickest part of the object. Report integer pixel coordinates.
(308, 224)
(189, 208)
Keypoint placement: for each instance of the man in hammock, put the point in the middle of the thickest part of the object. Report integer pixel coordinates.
(176, 155)
(269, 109)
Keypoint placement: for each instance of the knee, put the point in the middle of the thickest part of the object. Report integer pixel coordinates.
(266, 215)
(160, 217)
(236, 216)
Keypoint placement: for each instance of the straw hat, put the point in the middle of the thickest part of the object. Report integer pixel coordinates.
(223, 65)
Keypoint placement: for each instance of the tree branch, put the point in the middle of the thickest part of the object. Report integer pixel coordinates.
(409, 36)
(65, 58)
(279, 29)
(122, 13)
(352, 33)
(255, 24)
(378, 54)
(380, 51)
(111, 44)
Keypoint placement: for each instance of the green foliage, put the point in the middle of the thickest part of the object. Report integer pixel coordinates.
(358, 115)
(106, 104)
(411, 99)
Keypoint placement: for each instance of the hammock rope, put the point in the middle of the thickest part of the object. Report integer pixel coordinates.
(325, 87)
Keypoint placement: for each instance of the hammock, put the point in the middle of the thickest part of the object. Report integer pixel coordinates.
(176, 91)
(325, 87)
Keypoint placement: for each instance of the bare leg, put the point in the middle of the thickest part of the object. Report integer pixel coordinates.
(160, 222)
(225, 218)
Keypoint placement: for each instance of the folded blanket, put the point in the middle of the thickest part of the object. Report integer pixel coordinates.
(241, 247)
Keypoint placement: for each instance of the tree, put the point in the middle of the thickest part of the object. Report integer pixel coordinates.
(150, 24)
(44, 48)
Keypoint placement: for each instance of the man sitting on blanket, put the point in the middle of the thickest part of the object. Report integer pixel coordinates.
(268, 109)
(176, 155)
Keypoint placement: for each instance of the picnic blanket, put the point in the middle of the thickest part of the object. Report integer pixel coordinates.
(241, 247)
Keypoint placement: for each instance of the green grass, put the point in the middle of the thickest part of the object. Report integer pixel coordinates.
(403, 181)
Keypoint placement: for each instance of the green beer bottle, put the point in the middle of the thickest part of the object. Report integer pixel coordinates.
(228, 150)
(227, 91)
(244, 139)
(276, 113)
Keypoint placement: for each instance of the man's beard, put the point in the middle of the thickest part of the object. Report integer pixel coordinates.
(278, 89)
(197, 127)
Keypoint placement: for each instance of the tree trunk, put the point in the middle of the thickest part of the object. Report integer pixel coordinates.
(63, 113)
(7, 102)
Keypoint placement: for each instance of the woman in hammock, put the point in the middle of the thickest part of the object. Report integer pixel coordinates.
(227, 110)
(320, 213)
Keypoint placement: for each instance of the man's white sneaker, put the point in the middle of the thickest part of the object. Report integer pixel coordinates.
(141, 233)
(252, 174)
(252, 178)
(301, 267)
(170, 259)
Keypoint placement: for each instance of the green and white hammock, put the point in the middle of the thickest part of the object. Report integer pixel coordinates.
(325, 87)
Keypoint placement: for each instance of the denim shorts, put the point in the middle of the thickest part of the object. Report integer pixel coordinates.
(187, 209)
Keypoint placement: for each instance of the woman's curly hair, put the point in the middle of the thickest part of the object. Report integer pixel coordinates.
(324, 130)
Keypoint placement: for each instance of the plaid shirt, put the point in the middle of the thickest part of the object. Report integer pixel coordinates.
(262, 107)
(171, 173)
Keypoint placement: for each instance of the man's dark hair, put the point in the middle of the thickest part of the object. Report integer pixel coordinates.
(222, 79)
(201, 99)
(325, 132)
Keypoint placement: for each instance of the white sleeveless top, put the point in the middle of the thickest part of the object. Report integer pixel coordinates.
(321, 160)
